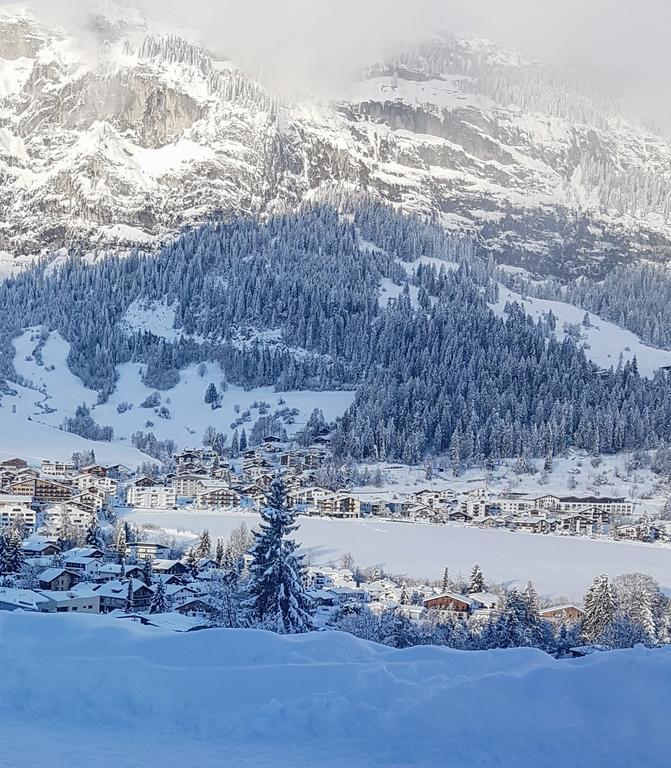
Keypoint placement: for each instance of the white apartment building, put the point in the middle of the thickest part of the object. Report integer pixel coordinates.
(153, 497)
(17, 508)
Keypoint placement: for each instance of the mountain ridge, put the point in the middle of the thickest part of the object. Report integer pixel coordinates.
(127, 144)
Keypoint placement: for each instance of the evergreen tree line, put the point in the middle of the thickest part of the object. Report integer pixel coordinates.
(636, 297)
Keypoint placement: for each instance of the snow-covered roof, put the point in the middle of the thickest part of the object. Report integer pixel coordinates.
(27, 599)
(52, 573)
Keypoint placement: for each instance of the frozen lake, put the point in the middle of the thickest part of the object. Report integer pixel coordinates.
(557, 565)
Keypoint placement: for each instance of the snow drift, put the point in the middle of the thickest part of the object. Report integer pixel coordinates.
(83, 688)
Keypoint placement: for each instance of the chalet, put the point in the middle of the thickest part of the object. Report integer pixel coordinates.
(117, 471)
(113, 572)
(577, 523)
(568, 612)
(450, 601)
(338, 505)
(459, 516)
(483, 601)
(179, 594)
(95, 469)
(57, 579)
(40, 546)
(114, 594)
(143, 482)
(84, 561)
(173, 567)
(627, 531)
(218, 495)
(78, 517)
(196, 607)
(42, 491)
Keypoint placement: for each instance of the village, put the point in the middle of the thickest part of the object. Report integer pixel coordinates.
(60, 494)
(67, 548)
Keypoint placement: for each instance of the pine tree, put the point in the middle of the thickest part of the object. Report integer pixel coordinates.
(404, 599)
(204, 549)
(120, 544)
(211, 394)
(160, 602)
(219, 553)
(12, 558)
(94, 535)
(477, 581)
(148, 573)
(129, 605)
(191, 561)
(446, 580)
(599, 606)
(243, 441)
(277, 596)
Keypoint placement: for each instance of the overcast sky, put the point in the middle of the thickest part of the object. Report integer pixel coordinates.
(308, 42)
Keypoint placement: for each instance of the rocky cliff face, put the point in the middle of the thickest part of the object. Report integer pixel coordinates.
(130, 139)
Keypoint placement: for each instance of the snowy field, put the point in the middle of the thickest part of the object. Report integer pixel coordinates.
(118, 694)
(605, 340)
(29, 421)
(558, 565)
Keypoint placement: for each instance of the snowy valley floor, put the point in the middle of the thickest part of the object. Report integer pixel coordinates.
(78, 690)
(560, 566)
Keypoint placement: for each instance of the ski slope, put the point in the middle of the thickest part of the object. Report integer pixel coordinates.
(105, 692)
(559, 566)
(603, 341)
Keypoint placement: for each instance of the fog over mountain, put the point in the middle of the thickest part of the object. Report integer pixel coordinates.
(300, 44)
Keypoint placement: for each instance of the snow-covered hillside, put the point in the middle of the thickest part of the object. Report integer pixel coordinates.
(602, 341)
(135, 132)
(50, 392)
(105, 692)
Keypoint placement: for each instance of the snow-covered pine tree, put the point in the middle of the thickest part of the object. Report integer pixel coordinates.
(277, 596)
(94, 534)
(599, 605)
(148, 572)
(219, 553)
(227, 598)
(211, 394)
(477, 581)
(446, 580)
(12, 558)
(121, 544)
(191, 561)
(160, 602)
(204, 548)
(129, 605)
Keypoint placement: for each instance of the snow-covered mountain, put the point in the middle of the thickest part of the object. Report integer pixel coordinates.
(128, 133)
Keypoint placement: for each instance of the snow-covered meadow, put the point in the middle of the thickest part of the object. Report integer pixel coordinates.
(558, 565)
(120, 694)
(29, 421)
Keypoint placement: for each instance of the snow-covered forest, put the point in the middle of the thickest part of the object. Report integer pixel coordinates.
(295, 302)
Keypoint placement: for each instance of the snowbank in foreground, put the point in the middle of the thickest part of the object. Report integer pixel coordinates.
(81, 688)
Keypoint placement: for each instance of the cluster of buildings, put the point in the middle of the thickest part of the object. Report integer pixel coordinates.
(90, 580)
(56, 491)
(205, 480)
